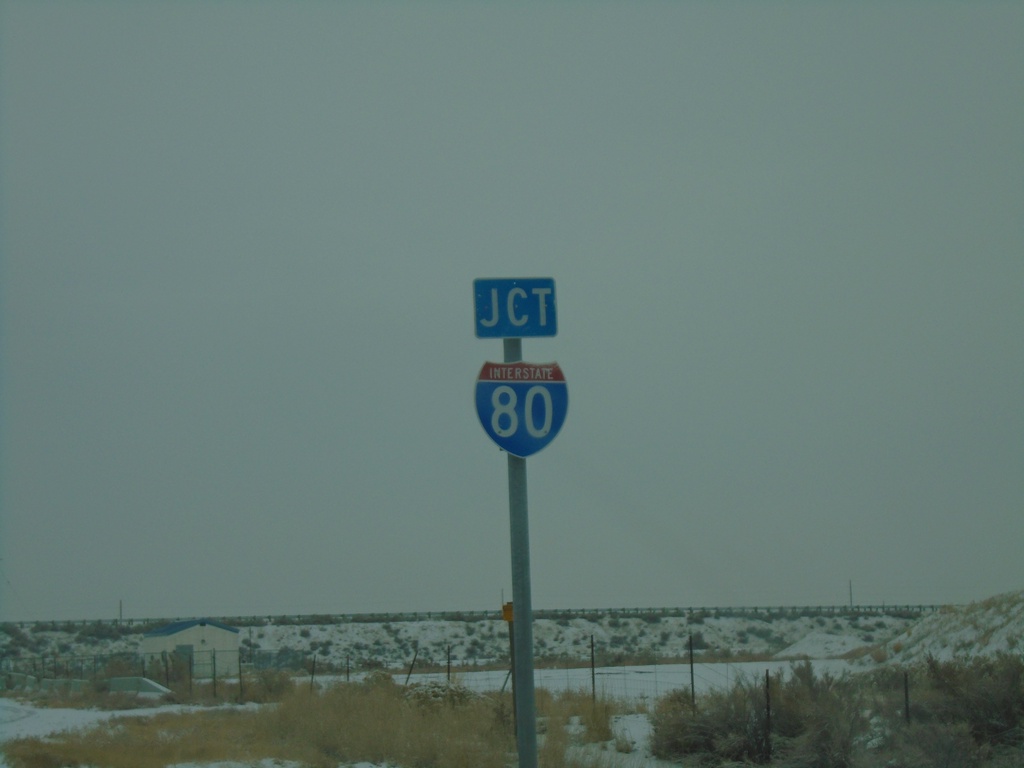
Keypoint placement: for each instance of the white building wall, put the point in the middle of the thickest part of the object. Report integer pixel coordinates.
(214, 650)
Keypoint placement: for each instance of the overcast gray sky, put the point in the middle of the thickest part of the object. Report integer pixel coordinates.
(238, 355)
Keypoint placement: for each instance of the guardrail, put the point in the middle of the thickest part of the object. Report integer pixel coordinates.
(766, 612)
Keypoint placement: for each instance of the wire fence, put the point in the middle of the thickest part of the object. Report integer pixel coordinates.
(634, 682)
(610, 671)
(99, 667)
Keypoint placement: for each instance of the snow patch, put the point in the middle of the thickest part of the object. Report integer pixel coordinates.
(820, 645)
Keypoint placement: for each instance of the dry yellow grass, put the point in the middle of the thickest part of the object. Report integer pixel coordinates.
(376, 722)
(147, 742)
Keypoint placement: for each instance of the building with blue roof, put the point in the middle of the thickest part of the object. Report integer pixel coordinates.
(210, 647)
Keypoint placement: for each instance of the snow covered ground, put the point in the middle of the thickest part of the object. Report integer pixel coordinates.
(641, 684)
(19, 720)
(983, 628)
(484, 641)
(986, 627)
(637, 683)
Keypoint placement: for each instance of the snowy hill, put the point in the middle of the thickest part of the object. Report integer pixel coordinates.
(636, 637)
(617, 637)
(984, 628)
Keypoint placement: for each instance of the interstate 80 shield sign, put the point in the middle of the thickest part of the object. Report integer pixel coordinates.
(521, 405)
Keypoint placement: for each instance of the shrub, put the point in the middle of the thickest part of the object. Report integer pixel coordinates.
(727, 725)
(986, 695)
(813, 721)
(437, 693)
(878, 654)
(270, 685)
(934, 745)
(963, 714)
(101, 631)
(17, 640)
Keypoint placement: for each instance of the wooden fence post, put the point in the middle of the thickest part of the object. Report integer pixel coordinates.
(415, 655)
(693, 688)
(593, 671)
(906, 695)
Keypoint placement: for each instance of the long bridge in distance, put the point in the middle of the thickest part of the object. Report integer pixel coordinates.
(766, 613)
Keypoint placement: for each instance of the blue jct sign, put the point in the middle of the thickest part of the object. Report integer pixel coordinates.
(521, 406)
(508, 308)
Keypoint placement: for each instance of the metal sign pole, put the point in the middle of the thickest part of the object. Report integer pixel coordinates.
(522, 605)
(521, 407)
